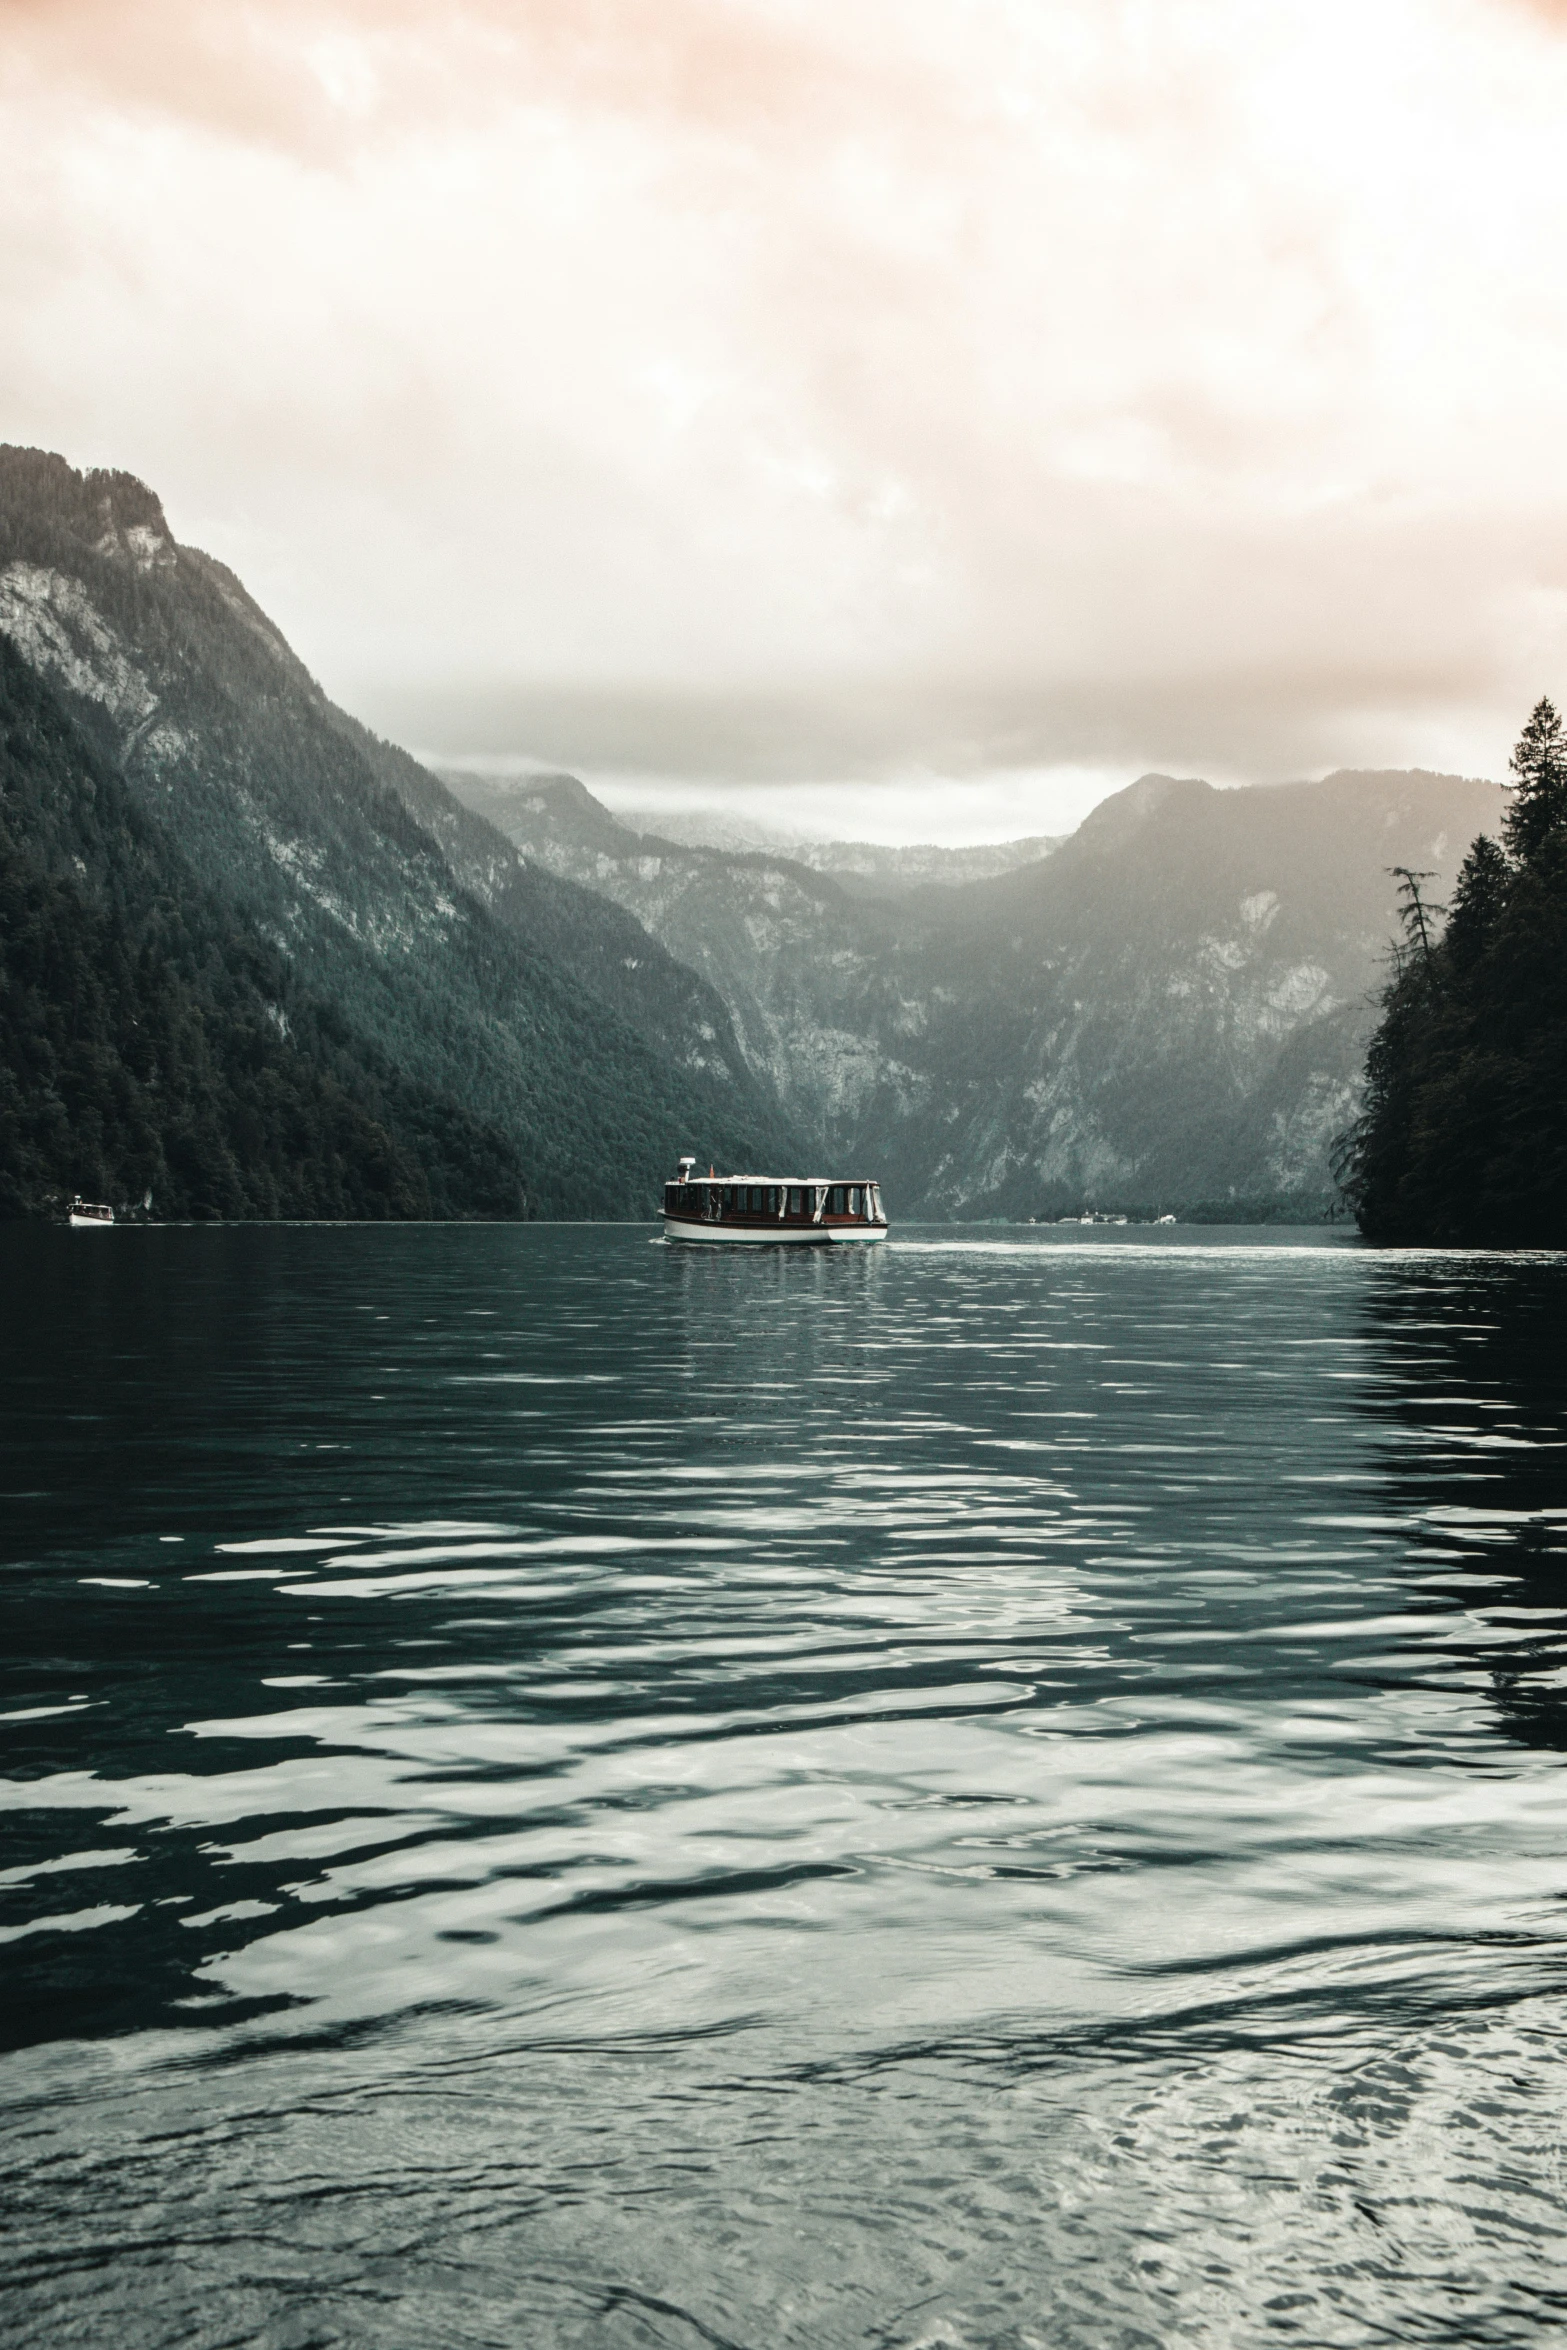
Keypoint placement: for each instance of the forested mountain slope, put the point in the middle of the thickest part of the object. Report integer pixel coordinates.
(552, 1017)
(1173, 1006)
(156, 1050)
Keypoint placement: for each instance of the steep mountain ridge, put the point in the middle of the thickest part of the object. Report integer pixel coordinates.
(546, 1011)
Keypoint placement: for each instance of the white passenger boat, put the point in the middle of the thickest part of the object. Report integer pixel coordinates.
(780, 1210)
(90, 1215)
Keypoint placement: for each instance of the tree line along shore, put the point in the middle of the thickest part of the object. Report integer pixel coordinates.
(1462, 1136)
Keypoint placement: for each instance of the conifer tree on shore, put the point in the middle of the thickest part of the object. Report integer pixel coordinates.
(1463, 1135)
(1538, 811)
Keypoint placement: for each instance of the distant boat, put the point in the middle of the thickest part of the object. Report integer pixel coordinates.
(780, 1209)
(90, 1215)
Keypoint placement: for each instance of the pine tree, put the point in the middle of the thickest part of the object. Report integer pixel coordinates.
(1479, 895)
(1415, 915)
(1539, 806)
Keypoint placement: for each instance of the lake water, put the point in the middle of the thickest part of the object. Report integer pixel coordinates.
(1006, 1790)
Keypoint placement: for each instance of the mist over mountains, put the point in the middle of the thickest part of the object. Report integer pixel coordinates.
(255, 960)
(868, 867)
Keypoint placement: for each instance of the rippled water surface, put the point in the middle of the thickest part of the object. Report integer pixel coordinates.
(558, 1791)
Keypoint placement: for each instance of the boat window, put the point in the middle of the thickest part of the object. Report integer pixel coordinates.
(772, 1199)
(796, 1200)
(835, 1200)
(854, 1199)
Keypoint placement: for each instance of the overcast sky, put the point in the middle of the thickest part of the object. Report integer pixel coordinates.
(989, 399)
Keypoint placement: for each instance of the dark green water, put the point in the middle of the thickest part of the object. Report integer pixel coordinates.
(1008, 1790)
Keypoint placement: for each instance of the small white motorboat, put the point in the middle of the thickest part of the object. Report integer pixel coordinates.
(90, 1215)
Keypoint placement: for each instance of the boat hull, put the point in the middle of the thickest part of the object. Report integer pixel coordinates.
(771, 1235)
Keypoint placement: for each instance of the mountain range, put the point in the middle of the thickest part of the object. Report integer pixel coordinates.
(255, 960)
(1170, 1007)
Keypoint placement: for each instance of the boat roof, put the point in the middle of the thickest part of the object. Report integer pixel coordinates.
(779, 1179)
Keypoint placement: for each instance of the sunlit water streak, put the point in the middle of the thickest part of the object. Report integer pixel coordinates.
(562, 1791)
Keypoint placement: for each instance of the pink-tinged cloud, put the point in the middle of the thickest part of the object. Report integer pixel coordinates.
(769, 388)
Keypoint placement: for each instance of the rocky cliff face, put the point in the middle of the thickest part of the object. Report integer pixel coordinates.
(1173, 1006)
(536, 1003)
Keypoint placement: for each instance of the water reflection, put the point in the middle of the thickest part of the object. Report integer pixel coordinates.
(1472, 1398)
